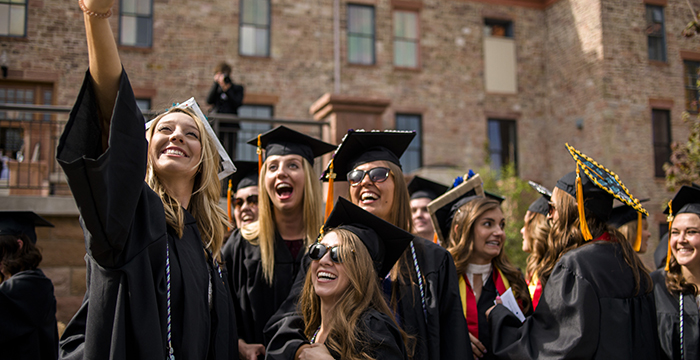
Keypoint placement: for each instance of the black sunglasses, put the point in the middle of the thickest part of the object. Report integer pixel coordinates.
(318, 250)
(376, 175)
(251, 200)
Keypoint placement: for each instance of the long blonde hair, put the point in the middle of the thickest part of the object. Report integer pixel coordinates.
(345, 335)
(461, 246)
(537, 228)
(212, 220)
(313, 218)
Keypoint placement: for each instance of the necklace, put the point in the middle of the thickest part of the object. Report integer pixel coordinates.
(313, 338)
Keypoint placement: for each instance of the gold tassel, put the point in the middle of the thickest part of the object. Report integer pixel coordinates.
(228, 202)
(435, 238)
(638, 240)
(581, 212)
(670, 223)
(329, 197)
(259, 155)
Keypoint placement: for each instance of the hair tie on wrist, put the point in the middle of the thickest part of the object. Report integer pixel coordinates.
(89, 12)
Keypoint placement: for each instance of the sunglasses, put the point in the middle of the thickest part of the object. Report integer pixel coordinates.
(251, 200)
(376, 175)
(318, 250)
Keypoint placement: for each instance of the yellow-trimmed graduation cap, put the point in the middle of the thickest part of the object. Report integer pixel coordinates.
(443, 209)
(599, 186)
(686, 201)
(21, 222)
(285, 141)
(359, 147)
(384, 241)
(420, 187)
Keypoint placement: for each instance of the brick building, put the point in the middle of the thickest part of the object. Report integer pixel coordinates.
(509, 80)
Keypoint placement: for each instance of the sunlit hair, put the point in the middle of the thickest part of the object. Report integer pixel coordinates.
(461, 246)
(212, 220)
(15, 259)
(399, 216)
(629, 230)
(537, 228)
(313, 218)
(363, 293)
(565, 235)
(675, 281)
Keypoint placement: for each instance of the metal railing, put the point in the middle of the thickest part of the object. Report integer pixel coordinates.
(29, 135)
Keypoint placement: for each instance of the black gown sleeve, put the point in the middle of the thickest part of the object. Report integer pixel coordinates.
(566, 322)
(384, 340)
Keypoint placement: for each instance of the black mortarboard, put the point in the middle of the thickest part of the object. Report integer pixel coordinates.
(384, 241)
(442, 210)
(541, 205)
(541, 189)
(686, 201)
(21, 222)
(285, 141)
(595, 190)
(622, 214)
(423, 188)
(246, 174)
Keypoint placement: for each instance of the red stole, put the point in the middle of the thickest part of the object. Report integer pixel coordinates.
(469, 306)
(535, 291)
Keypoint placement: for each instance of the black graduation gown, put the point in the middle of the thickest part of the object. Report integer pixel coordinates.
(381, 338)
(255, 301)
(668, 320)
(589, 310)
(442, 337)
(28, 317)
(124, 314)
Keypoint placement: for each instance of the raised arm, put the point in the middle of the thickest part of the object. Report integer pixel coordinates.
(105, 65)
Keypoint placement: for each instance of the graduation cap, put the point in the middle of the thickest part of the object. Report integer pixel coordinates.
(359, 147)
(686, 201)
(246, 175)
(621, 215)
(443, 209)
(423, 188)
(285, 141)
(226, 166)
(384, 241)
(541, 205)
(595, 190)
(21, 222)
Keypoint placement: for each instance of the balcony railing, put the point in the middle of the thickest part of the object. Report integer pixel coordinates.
(29, 136)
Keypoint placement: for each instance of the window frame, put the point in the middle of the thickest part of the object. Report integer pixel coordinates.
(506, 23)
(349, 34)
(10, 4)
(690, 85)
(418, 139)
(256, 26)
(658, 168)
(416, 40)
(503, 149)
(122, 14)
(649, 8)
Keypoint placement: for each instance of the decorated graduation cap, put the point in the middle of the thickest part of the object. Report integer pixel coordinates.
(423, 188)
(686, 201)
(21, 222)
(595, 187)
(443, 209)
(246, 175)
(226, 166)
(384, 241)
(621, 215)
(285, 141)
(541, 205)
(359, 147)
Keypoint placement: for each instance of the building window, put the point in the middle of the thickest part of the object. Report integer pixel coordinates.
(360, 34)
(661, 129)
(12, 133)
(136, 23)
(656, 33)
(500, 65)
(13, 18)
(498, 28)
(503, 145)
(254, 34)
(412, 158)
(691, 69)
(246, 130)
(406, 39)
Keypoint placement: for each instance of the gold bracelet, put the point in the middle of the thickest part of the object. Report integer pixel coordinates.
(89, 12)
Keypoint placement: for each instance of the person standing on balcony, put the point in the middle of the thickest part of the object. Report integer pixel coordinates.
(149, 208)
(225, 97)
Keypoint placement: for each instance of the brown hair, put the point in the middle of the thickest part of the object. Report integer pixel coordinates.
(461, 246)
(345, 335)
(675, 281)
(537, 228)
(223, 67)
(566, 235)
(15, 259)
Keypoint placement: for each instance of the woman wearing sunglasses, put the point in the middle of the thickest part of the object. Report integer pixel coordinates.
(676, 286)
(265, 256)
(422, 286)
(597, 301)
(345, 314)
